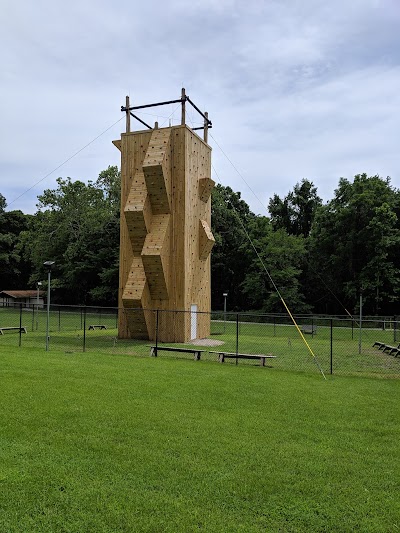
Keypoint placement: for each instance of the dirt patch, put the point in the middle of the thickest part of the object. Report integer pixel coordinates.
(206, 342)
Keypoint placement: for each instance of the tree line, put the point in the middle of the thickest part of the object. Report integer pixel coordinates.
(320, 256)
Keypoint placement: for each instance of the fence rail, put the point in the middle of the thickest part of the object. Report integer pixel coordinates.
(339, 345)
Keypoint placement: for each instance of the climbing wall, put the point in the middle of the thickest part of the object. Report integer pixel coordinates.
(165, 239)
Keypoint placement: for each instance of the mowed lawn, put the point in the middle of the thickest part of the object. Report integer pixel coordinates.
(102, 443)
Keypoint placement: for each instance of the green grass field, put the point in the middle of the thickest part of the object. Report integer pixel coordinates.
(100, 443)
(67, 335)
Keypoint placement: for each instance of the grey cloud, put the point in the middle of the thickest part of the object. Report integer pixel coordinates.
(294, 89)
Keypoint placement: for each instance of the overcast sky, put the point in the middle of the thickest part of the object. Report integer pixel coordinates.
(295, 88)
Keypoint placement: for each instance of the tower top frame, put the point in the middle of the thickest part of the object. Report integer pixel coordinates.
(127, 109)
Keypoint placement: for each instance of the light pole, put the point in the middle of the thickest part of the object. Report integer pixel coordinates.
(39, 284)
(225, 295)
(49, 265)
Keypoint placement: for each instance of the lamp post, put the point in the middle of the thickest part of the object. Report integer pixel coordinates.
(39, 284)
(225, 295)
(48, 265)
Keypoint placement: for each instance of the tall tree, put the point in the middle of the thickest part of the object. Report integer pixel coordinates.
(295, 212)
(355, 242)
(230, 216)
(77, 226)
(14, 271)
(278, 256)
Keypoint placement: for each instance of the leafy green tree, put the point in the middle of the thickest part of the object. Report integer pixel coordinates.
(77, 226)
(230, 216)
(236, 267)
(295, 213)
(354, 243)
(276, 255)
(14, 271)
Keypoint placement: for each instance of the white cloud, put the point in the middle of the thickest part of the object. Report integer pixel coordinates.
(294, 89)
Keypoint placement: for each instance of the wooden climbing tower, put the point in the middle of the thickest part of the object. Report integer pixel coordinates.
(165, 237)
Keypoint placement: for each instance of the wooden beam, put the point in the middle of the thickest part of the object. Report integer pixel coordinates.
(206, 127)
(183, 119)
(128, 115)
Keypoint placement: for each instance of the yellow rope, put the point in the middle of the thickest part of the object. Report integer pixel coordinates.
(301, 335)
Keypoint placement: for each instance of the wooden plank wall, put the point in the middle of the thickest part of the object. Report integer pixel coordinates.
(165, 236)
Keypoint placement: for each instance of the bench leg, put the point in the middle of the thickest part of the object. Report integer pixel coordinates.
(152, 354)
(262, 361)
(197, 356)
(221, 358)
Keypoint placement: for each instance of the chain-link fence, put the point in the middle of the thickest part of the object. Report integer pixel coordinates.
(334, 345)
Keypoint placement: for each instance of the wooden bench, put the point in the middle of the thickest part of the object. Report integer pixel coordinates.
(308, 328)
(231, 355)
(97, 326)
(379, 345)
(19, 329)
(391, 349)
(386, 348)
(195, 351)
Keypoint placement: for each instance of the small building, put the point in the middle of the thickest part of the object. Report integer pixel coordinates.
(27, 298)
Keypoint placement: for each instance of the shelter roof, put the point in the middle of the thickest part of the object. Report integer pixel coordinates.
(22, 294)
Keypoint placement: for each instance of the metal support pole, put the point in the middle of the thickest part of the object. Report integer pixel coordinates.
(84, 329)
(20, 324)
(155, 351)
(225, 296)
(237, 336)
(360, 332)
(48, 309)
(39, 284)
(331, 346)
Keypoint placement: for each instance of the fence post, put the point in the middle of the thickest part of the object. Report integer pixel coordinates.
(395, 328)
(59, 319)
(155, 351)
(237, 336)
(84, 328)
(360, 329)
(20, 324)
(331, 346)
